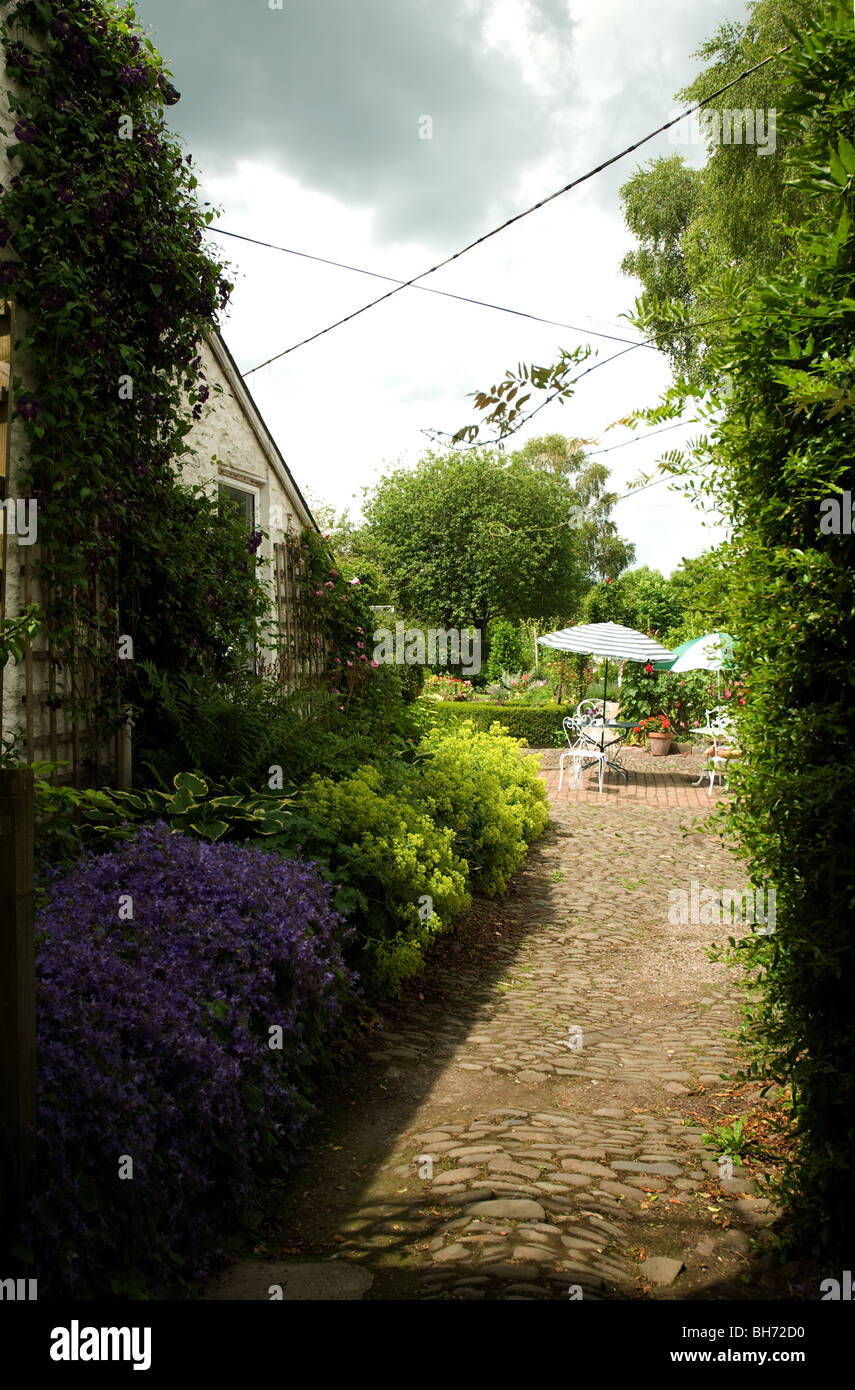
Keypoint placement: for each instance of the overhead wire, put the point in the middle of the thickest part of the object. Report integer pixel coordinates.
(429, 289)
(518, 217)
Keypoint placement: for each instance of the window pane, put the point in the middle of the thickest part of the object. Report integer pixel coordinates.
(244, 501)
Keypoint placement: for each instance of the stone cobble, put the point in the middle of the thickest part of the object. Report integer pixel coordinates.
(553, 1145)
(574, 1036)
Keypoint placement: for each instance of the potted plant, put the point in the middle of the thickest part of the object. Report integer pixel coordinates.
(658, 731)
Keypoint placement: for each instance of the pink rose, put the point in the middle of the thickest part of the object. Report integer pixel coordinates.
(375, 664)
(354, 581)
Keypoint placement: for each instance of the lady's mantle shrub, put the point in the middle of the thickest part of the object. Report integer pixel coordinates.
(162, 969)
(478, 784)
(388, 857)
(401, 843)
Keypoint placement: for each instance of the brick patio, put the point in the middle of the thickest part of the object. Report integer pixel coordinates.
(653, 781)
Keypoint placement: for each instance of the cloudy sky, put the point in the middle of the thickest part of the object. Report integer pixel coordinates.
(307, 124)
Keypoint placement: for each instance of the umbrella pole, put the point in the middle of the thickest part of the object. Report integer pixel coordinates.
(605, 693)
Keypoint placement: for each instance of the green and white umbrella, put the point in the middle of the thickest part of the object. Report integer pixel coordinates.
(610, 640)
(711, 652)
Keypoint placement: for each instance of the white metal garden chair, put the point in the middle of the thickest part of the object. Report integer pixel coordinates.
(719, 730)
(580, 752)
(591, 713)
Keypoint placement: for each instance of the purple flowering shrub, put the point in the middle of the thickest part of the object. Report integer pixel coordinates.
(154, 1043)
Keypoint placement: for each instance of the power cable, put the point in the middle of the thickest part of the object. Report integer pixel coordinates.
(428, 289)
(479, 241)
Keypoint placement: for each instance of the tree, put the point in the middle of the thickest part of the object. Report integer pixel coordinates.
(605, 552)
(702, 589)
(554, 452)
(733, 214)
(651, 602)
(471, 535)
(660, 202)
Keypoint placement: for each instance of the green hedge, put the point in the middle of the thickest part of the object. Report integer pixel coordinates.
(539, 726)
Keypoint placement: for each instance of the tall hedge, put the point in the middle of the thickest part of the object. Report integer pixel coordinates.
(539, 726)
(777, 462)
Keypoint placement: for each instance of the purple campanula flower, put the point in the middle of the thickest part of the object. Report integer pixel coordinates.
(151, 1030)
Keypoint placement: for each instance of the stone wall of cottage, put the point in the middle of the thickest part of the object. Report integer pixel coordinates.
(231, 447)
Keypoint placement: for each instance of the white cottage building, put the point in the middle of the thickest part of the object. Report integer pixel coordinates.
(235, 453)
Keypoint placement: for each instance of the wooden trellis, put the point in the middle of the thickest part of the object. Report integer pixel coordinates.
(64, 709)
(302, 640)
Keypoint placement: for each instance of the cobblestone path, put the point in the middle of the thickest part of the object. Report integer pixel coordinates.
(528, 1124)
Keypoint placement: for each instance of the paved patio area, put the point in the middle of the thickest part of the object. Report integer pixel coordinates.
(652, 781)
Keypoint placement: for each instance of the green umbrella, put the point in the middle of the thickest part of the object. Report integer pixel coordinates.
(708, 653)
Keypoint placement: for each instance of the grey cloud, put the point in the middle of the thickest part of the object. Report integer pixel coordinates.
(333, 90)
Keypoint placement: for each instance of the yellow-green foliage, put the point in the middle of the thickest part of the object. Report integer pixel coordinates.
(481, 786)
(406, 841)
(392, 857)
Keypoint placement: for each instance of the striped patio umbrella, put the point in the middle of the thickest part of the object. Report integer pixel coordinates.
(610, 640)
(708, 653)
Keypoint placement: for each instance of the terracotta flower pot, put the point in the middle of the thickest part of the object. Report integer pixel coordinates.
(660, 744)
